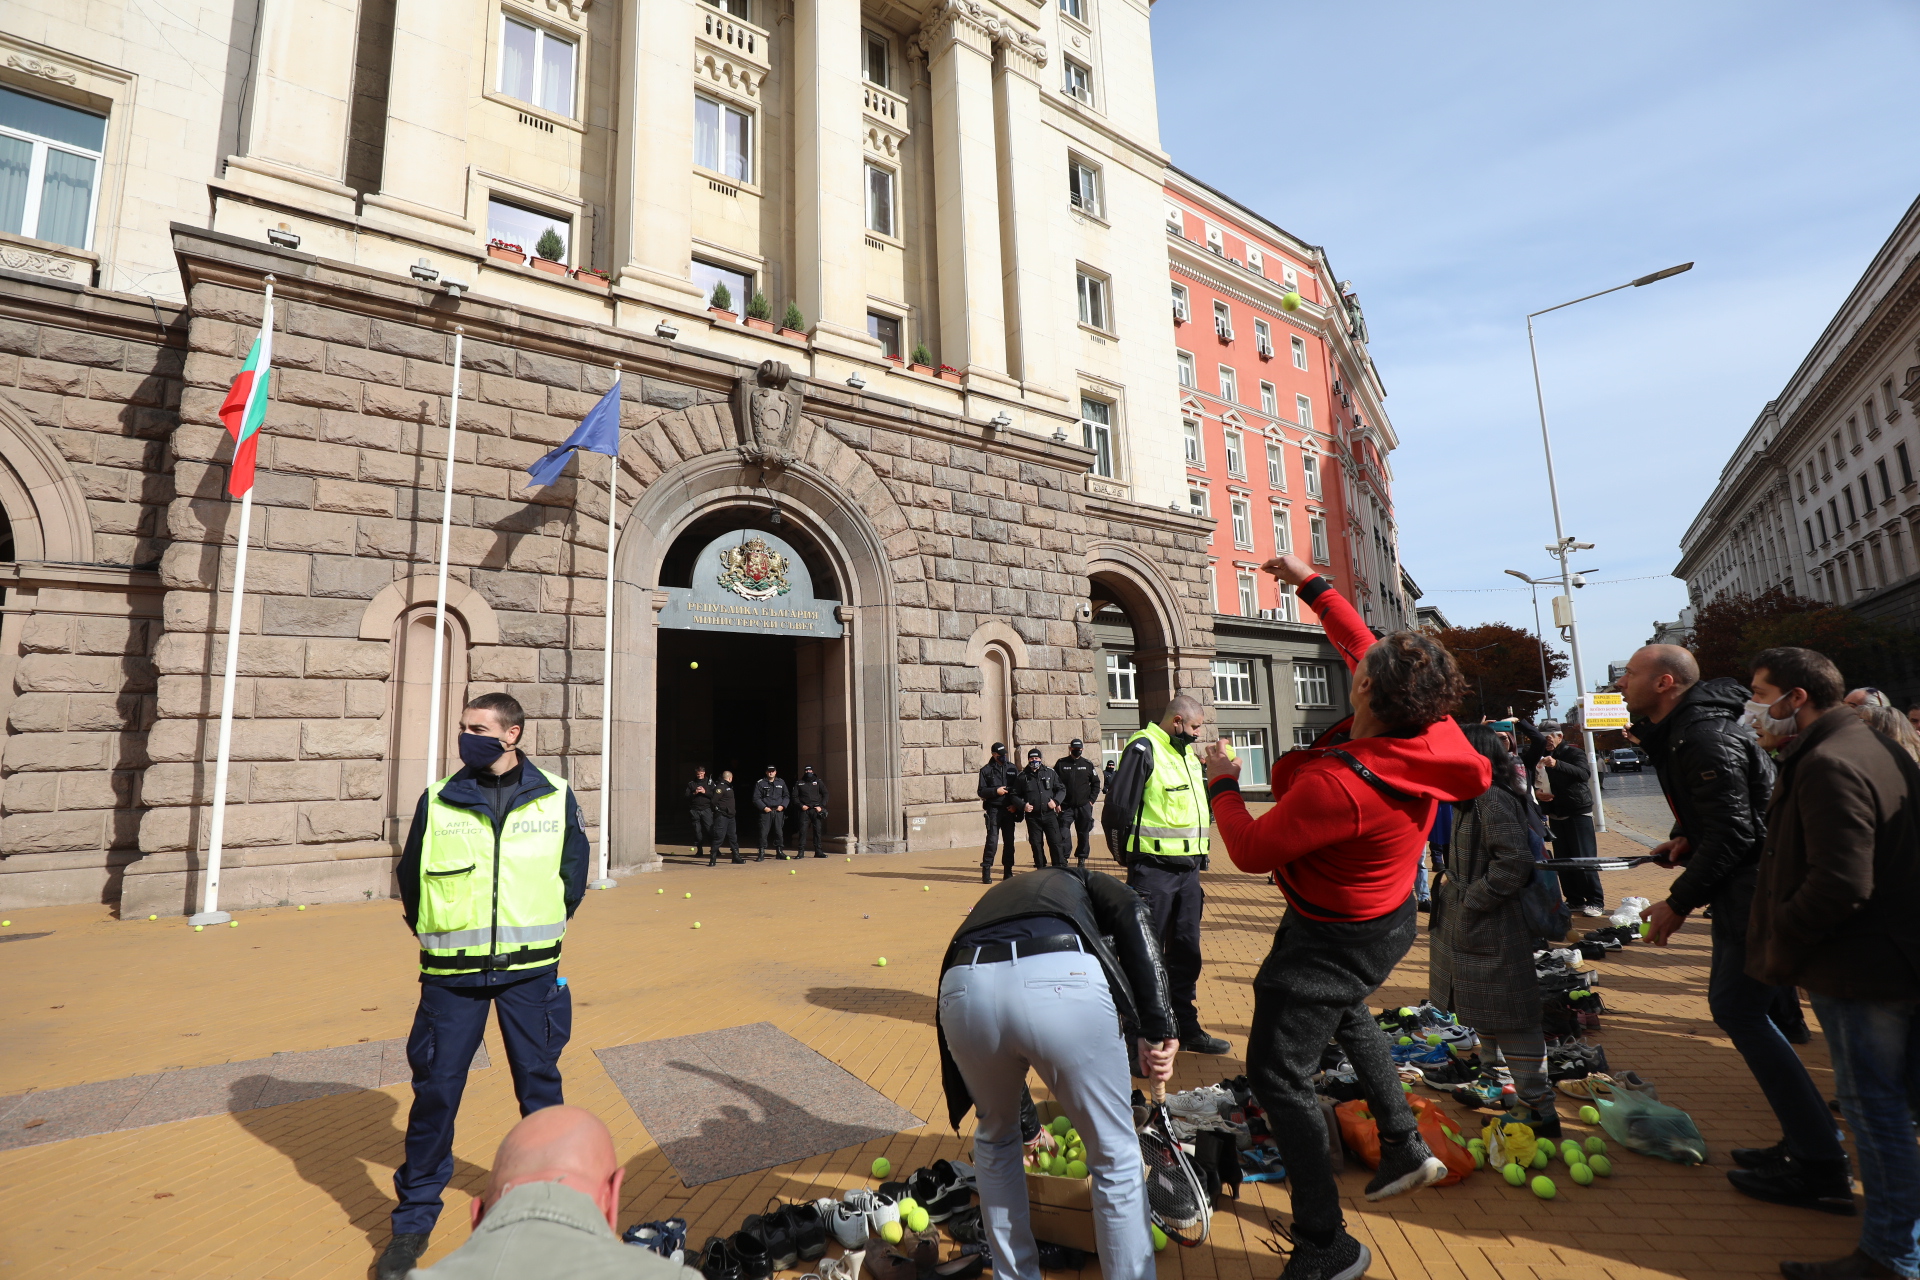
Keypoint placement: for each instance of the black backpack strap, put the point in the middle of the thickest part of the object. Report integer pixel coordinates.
(1369, 777)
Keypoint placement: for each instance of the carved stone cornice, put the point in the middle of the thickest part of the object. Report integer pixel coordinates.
(978, 25)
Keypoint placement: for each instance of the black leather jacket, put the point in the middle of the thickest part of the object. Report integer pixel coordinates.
(700, 792)
(1038, 785)
(1716, 779)
(995, 774)
(1081, 777)
(1113, 923)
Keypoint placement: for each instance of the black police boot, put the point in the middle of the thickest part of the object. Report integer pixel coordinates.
(401, 1254)
(1807, 1184)
(1006, 872)
(739, 861)
(713, 857)
(986, 873)
(1196, 1040)
(818, 854)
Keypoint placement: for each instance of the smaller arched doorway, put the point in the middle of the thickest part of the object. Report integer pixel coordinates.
(1140, 639)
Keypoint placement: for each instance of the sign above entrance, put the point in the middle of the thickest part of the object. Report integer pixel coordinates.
(748, 583)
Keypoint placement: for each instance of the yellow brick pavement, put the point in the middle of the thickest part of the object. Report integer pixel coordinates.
(303, 1190)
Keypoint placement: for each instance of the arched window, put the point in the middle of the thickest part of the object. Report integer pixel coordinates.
(409, 738)
(996, 696)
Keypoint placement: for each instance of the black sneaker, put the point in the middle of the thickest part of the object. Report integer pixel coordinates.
(1405, 1167)
(1198, 1041)
(401, 1256)
(1760, 1157)
(717, 1261)
(1805, 1184)
(1344, 1259)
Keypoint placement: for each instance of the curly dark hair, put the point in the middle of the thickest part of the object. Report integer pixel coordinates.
(1415, 681)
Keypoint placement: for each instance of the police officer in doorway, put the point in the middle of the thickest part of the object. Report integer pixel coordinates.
(502, 843)
(1081, 782)
(810, 793)
(1041, 791)
(700, 810)
(726, 827)
(1001, 804)
(1156, 819)
(770, 800)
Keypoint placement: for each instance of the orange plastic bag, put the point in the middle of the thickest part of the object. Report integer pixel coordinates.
(1361, 1134)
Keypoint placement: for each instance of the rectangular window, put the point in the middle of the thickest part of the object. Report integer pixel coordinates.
(1120, 678)
(1083, 185)
(1236, 454)
(886, 331)
(1866, 495)
(1096, 432)
(1255, 262)
(1310, 687)
(1249, 597)
(1853, 514)
(1269, 400)
(738, 8)
(1093, 300)
(1076, 81)
(1310, 467)
(1299, 352)
(49, 169)
(1826, 467)
(880, 200)
(1112, 743)
(1242, 524)
(1289, 277)
(1886, 486)
(1833, 509)
(1223, 321)
(1303, 737)
(1074, 9)
(1317, 534)
(1216, 243)
(1303, 411)
(722, 139)
(1289, 607)
(1229, 384)
(1181, 311)
(1190, 430)
(876, 64)
(1251, 746)
(1183, 362)
(1263, 339)
(1809, 526)
(1233, 677)
(1282, 531)
(516, 224)
(1853, 432)
(1906, 467)
(536, 66)
(1821, 516)
(1277, 465)
(1197, 501)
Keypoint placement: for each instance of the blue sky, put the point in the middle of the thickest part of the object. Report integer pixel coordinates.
(1465, 165)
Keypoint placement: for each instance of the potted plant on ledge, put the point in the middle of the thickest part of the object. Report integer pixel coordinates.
(793, 324)
(759, 312)
(949, 374)
(720, 305)
(506, 252)
(922, 360)
(548, 252)
(588, 276)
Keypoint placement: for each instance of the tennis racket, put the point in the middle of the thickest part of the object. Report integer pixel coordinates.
(1179, 1205)
(1600, 864)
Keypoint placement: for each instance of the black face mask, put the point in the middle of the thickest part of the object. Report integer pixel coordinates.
(1181, 740)
(480, 751)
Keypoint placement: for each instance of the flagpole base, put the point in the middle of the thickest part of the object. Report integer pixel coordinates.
(210, 917)
(601, 884)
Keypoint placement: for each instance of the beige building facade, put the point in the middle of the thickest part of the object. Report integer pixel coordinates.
(561, 187)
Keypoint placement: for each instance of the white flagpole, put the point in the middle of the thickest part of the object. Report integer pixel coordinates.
(606, 650)
(436, 732)
(210, 912)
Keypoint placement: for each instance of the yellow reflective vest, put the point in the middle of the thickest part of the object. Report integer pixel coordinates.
(492, 901)
(1173, 817)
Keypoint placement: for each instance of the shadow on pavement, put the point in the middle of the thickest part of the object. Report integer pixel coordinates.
(888, 1002)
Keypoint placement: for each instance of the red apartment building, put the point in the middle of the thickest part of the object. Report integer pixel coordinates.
(1286, 444)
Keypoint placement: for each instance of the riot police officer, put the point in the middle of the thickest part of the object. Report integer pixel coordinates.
(700, 810)
(502, 843)
(1041, 791)
(770, 799)
(726, 825)
(810, 793)
(1001, 806)
(1082, 784)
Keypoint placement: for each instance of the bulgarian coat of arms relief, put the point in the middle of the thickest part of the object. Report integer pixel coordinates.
(754, 571)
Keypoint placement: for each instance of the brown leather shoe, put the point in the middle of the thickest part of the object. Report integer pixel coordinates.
(1855, 1266)
(887, 1264)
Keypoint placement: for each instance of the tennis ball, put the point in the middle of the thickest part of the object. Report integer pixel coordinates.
(301, 907)
(196, 928)
(689, 895)
(1159, 1238)
(696, 924)
(157, 917)
(9, 923)
(926, 888)
(233, 924)
(1589, 1116)
(793, 873)
(1513, 1173)
(1601, 1166)
(906, 1205)
(890, 1232)
(1596, 1144)
(1057, 1166)
(1582, 1175)
(1076, 1168)
(882, 1166)
(1479, 1159)
(1406, 1039)
(881, 962)
(1405, 1087)
(1540, 1157)
(1290, 300)
(1059, 1124)
(693, 666)
(659, 890)
(1544, 1188)
(918, 1219)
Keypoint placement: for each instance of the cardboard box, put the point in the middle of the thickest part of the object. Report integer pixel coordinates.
(1062, 1208)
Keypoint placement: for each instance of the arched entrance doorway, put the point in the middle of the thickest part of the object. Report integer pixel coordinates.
(1141, 638)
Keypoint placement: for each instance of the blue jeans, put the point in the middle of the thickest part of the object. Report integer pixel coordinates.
(1420, 885)
(1740, 1005)
(1876, 1072)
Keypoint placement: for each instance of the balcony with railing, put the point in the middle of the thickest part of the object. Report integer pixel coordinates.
(730, 38)
(885, 108)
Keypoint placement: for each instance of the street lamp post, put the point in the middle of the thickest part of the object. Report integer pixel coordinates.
(1563, 547)
(1539, 636)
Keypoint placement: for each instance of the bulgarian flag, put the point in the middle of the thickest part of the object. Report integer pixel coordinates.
(245, 408)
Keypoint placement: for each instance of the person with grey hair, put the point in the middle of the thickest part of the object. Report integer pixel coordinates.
(1867, 696)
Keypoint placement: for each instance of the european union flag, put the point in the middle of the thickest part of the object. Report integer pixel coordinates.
(598, 432)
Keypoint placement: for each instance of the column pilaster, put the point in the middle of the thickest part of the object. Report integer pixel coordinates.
(294, 140)
(829, 176)
(653, 205)
(423, 185)
(1029, 194)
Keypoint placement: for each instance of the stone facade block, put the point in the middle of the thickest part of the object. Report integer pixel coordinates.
(301, 780)
(54, 752)
(350, 577)
(366, 698)
(49, 633)
(290, 616)
(363, 779)
(51, 832)
(299, 698)
(332, 822)
(353, 497)
(61, 673)
(343, 739)
(348, 659)
(323, 531)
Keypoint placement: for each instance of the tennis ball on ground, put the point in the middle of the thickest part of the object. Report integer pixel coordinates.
(1596, 1144)
(1076, 1168)
(1544, 1188)
(1479, 1159)
(1159, 1238)
(881, 962)
(196, 928)
(1582, 1175)
(926, 888)
(918, 1219)
(696, 924)
(882, 1166)
(157, 917)
(1406, 1039)
(1540, 1157)
(1513, 1173)
(301, 907)
(233, 924)
(1601, 1166)
(793, 873)
(1589, 1116)
(906, 1205)
(689, 895)
(891, 1232)
(659, 890)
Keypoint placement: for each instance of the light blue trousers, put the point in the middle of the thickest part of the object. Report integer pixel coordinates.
(1052, 1014)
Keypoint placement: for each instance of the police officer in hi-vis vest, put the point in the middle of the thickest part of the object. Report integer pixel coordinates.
(495, 863)
(1156, 820)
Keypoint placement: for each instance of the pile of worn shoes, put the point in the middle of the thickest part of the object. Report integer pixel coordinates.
(786, 1236)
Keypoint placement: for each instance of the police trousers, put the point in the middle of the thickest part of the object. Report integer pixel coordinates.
(702, 829)
(726, 835)
(774, 820)
(999, 828)
(1175, 900)
(536, 1021)
(813, 826)
(1043, 825)
(1081, 818)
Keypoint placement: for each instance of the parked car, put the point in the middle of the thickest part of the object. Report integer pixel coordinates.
(1623, 760)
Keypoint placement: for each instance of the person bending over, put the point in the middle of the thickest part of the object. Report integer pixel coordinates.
(1349, 820)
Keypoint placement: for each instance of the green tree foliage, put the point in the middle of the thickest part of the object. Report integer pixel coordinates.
(921, 355)
(793, 319)
(1499, 662)
(722, 298)
(758, 307)
(1730, 630)
(550, 246)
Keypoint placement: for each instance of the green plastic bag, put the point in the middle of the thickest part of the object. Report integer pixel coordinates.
(1647, 1125)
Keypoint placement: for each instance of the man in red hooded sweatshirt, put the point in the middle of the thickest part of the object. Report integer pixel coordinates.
(1342, 841)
